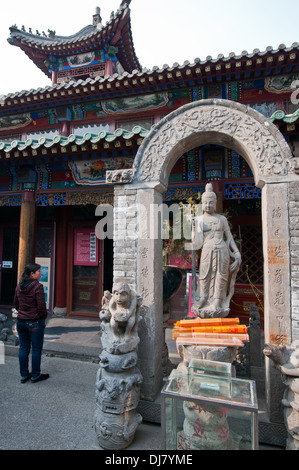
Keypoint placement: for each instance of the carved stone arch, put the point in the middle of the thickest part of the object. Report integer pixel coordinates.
(138, 260)
(221, 122)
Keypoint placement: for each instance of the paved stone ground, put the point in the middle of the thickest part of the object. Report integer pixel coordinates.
(57, 414)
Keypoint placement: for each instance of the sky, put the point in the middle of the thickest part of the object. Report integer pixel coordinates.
(164, 31)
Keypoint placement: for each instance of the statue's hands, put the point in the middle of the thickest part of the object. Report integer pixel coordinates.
(236, 263)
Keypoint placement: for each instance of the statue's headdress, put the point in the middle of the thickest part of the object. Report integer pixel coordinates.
(209, 192)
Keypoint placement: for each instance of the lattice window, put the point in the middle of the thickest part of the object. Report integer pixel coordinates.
(252, 255)
(92, 71)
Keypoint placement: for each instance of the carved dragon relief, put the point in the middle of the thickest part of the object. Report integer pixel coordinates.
(266, 151)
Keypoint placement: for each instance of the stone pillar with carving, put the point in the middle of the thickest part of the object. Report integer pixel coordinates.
(118, 379)
(277, 287)
(286, 361)
(138, 262)
(150, 285)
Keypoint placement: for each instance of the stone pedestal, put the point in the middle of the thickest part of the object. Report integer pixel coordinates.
(209, 418)
(212, 353)
(209, 422)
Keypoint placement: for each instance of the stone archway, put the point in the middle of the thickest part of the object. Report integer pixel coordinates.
(139, 261)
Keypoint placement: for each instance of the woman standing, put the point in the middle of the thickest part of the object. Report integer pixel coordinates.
(31, 306)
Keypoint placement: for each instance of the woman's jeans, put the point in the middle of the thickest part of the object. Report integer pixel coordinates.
(31, 333)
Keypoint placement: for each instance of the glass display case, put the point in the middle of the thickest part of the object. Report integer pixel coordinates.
(202, 411)
(206, 377)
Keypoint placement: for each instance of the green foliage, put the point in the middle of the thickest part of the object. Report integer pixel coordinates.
(174, 247)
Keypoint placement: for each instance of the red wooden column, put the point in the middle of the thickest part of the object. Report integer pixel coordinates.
(61, 261)
(109, 68)
(54, 77)
(27, 232)
(65, 128)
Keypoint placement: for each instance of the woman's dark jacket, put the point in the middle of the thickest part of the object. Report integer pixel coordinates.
(29, 301)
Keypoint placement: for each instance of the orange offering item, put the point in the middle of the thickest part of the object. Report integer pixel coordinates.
(207, 322)
(210, 331)
(239, 329)
(242, 337)
(233, 341)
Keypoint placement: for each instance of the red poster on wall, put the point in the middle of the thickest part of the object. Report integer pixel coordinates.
(85, 247)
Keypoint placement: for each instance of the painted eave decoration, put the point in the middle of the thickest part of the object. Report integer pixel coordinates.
(73, 144)
(232, 69)
(280, 115)
(115, 36)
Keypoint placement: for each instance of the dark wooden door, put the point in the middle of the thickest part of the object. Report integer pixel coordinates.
(9, 247)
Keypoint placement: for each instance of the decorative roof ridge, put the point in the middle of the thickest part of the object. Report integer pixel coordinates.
(232, 55)
(52, 38)
(145, 71)
(74, 83)
(8, 147)
(42, 48)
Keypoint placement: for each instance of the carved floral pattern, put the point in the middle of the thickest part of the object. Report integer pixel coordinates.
(266, 150)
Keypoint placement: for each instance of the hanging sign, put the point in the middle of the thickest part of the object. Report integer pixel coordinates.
(7, 264)
(45, 279)
(85, 247)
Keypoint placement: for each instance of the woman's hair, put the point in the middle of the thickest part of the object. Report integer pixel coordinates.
(29, 268)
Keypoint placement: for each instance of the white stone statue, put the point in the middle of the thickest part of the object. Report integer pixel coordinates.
(219, 262)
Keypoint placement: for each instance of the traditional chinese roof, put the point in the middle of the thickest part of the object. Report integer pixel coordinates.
(116, 34)
(110, 143)
(230, 69)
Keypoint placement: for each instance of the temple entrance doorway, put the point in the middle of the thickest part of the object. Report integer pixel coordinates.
(240, 201)
(264, 148)
(9, 242)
